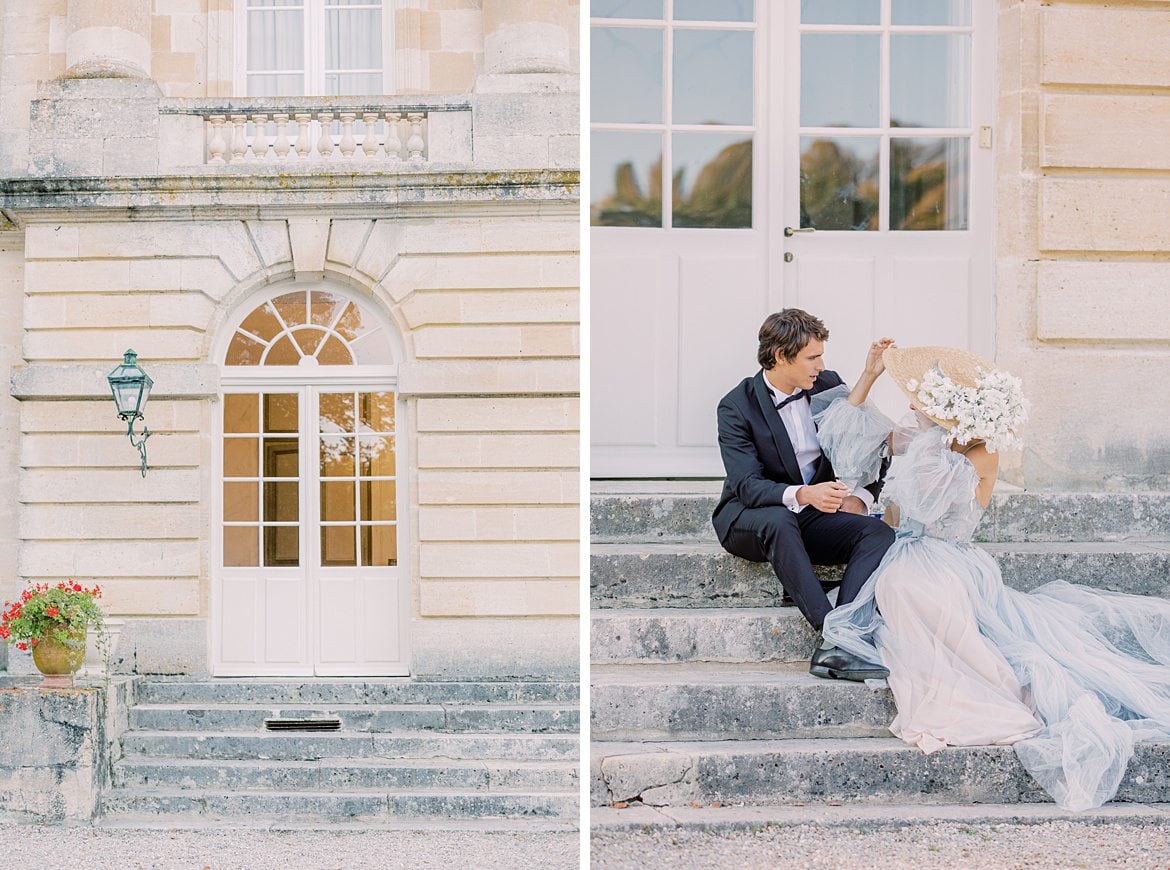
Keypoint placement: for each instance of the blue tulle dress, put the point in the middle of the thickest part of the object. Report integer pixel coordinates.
(1070, 676)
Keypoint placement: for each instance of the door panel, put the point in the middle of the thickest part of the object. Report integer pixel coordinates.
(310, 581)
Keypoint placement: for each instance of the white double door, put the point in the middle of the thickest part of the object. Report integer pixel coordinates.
(309, 580)
(825, 155)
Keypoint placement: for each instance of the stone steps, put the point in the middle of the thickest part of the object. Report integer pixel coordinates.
(719, 634)
(681, 510)
(396, 690)
(862, 770)
(649, 702)
(327, 806)
(418, 744)
(199, 752)
(362, 717)
(345, 774)
(693, 574)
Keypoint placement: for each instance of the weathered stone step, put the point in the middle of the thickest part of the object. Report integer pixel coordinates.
(344, 774)
(864, 770)
(214, 805)
(639, 818)
(681, 510)
(719, 634)
(284, 745)
(704, 575)
(727, 702)
(360, 717)
(397, 690)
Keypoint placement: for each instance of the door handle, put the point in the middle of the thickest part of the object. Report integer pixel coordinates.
(789, 232)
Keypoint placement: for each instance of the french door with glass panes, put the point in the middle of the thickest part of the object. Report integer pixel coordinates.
(747, 156)
(309, 581)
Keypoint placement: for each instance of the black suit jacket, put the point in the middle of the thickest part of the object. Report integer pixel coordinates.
(757, 453)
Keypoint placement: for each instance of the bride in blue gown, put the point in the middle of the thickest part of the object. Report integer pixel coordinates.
(1070, 676)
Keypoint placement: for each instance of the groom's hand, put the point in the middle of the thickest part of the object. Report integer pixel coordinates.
(851, 504)
(825, 497)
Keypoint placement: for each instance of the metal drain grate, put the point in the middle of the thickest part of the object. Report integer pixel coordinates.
(302, 724)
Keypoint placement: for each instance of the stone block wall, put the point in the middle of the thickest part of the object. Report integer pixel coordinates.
(487, 306)
(1083, 206)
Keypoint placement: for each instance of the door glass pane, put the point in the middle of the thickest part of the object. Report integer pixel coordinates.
(336, 412)
(353, 39)
(712, 180)
(334, 353)
(241, 457)
(283, 353)
(281, 501)
(929, 80)
(262, 323)
(625, 8)
(626, 179)
(376, 456)
(337, 501)
(273, 85)
(839, 183)
(627, 74)
(841, 11)
(241, 413)
(337, 455)
(292, 308)
(241, 547)
(281, 457)
(337, 546)
(308, 340)
(712, 77)
(714, 10)
(928, 184)
(379, 545)
(241, 503)
(378, 499)
(280, 412)
(840, 77)
(952, 12)
(282, 546)
(324, 308)
(377, 412)
(353, 84)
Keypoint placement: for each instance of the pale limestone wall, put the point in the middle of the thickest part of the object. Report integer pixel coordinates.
(1083, 200)
(11, 301)
(487, 307)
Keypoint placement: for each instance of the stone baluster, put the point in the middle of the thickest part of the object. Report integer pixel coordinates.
(216, 145)
(370, 139)
(415, 144)
(304, 121)
(325, 134)
(259, 149)
(348, 143)
(239, 141)
(393, 143)
(280, 144)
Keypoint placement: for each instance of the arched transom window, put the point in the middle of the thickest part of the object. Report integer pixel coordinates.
(309, 328)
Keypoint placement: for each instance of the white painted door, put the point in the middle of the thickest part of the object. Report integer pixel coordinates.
(310, 581)
(855, 123)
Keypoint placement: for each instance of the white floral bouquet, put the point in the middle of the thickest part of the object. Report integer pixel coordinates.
(994, 410)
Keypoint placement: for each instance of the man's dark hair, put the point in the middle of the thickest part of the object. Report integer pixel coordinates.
(788, 331)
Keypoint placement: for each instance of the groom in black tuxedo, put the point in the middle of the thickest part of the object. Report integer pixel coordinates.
(781, 502)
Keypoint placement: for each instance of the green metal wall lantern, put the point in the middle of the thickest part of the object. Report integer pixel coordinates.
(131, 387)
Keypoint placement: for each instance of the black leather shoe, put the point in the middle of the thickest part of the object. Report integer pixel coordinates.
(837, 664)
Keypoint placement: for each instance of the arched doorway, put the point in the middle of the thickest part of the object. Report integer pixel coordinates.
(308, 578)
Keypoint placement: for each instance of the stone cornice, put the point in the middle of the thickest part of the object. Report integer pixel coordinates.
(254, 192)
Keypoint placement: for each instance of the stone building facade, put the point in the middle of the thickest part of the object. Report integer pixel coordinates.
(149, 205)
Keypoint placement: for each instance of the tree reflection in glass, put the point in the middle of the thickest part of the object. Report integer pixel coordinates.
(839, 183)
(928, 184)
(712, 183)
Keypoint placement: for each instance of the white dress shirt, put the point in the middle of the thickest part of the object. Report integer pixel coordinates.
(798, 423)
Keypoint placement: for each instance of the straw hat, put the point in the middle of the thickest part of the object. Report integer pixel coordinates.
(910, 363)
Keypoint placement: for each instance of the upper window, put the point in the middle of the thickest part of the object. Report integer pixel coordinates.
(308, 328)
(314, 48)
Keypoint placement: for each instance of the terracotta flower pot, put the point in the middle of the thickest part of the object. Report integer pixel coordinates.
(59, 661)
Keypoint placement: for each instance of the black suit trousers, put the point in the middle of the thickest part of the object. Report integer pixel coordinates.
(794, 542)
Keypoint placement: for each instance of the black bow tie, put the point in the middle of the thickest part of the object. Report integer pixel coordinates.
(799, 394)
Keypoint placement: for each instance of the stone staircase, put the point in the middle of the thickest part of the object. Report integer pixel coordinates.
(404, 752)
(700, 693)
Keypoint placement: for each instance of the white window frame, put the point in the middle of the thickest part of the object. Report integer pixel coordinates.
(314, 47)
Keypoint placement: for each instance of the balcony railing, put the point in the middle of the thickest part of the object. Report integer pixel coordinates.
(397, 130)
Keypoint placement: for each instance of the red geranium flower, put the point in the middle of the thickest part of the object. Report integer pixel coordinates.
(51, 611)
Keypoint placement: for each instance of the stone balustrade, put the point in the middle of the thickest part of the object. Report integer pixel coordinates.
(411, 131)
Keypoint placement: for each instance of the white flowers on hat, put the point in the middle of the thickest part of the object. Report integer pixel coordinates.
(994, 410)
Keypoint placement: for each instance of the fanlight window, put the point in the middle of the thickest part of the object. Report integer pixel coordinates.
(308, 328)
